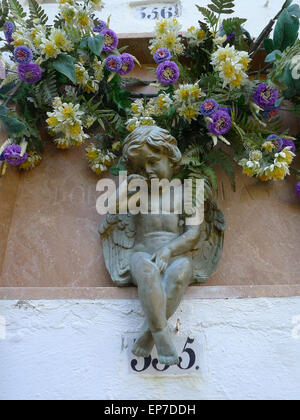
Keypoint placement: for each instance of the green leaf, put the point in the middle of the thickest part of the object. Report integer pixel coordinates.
(269, 45)
(221, 6)
(286, 31)
(96, 44)
(12, 125)
(4, 10)
(16, 9)
(84, 42)
(273, 56)
(37, 12)
(65, 64)
(209, 16)
(115, 169)
(218, 157)
(232, 25)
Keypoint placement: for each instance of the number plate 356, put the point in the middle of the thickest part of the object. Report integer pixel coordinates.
(190, 353)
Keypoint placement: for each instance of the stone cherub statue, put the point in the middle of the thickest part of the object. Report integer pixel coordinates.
(157, 252)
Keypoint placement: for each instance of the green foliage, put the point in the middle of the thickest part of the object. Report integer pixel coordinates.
(286, 30)
(4, 10)
(209, 16)
(96, 44)
(16, 9)
(12, 125)
(37, 12)
(64, 64)
(44, 92)
(233, 24)
(222, 6)
(221, 158)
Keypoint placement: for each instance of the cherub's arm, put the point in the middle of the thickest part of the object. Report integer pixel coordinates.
(184, 243)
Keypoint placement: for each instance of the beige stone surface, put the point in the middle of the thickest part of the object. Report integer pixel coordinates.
(49, 228)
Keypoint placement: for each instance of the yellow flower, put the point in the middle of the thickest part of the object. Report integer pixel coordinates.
(237, 81)
(264, 177)
(50, 50)
(59, 39)
(83, 19)
(278, 173)
(52, 121)
(75, 129)
(229, 70)
(191, 29)
(34, 33)
(196, 92)
(18, 42)
(68, 112)
(170, 41)
(248, 171)
(32, 161)
(189, 113)
(289, 156)
(245, 62)
(200, 35)
(268, 146)
(162, 26)
(92, 154)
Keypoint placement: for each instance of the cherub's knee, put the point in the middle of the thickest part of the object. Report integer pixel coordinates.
(141, 265)
(181, 274)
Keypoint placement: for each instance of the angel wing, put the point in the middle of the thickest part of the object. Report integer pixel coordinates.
(207, 253)
(118, 239)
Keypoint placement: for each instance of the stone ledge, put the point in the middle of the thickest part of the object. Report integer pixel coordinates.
(194, 292)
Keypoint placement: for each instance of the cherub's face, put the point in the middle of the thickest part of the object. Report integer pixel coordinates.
(152, 163)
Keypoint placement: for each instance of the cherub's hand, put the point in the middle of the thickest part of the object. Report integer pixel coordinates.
(162, 258)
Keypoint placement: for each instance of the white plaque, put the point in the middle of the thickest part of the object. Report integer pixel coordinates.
(190, 351)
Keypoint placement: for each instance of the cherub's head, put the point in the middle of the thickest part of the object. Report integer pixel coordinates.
(152, 151)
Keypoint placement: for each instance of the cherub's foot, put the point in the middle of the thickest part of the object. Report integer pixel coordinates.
(167, 354)
(143, 345)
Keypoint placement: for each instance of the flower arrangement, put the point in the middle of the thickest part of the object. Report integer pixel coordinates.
(67, 75)
(209, 96)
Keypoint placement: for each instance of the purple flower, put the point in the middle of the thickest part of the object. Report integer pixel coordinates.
(288, 143)
(297, 189)
(161, 55)
(23, 55)
(278, 141)
(230, 36)
(113, 63)
(8, 37)
(30, 73)
(99, 28)
(209, 107)
(12, 155)
(127, 64)
(9, 28)
(167, 73)
(265, 96)
(221, 123)
(110, 40)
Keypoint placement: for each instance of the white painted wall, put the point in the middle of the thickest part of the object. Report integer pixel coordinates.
(123, 20)
(73, 350)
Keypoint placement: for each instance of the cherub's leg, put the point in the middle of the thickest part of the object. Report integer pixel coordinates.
(175, 282)
(151, 293)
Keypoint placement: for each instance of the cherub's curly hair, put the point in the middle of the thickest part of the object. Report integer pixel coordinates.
(155, 137)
